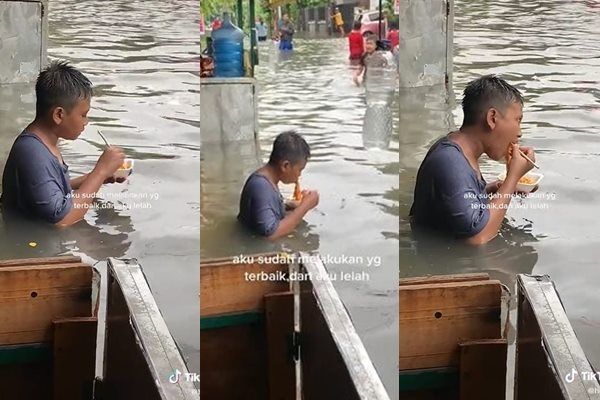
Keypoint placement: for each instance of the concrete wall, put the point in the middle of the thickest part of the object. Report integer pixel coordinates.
(426, 42)
(23, 40)
(229, 110)
(23, 52)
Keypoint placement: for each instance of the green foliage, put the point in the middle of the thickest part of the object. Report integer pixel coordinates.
(213, 8)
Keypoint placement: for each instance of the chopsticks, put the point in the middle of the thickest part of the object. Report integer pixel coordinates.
(108, 144)
(528, 159)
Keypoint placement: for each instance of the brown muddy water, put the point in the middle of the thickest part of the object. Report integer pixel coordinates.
(551, 51)
(142, 57)
(311, 90)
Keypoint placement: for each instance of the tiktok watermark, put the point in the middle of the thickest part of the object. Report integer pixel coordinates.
(178, 376)
(585, 376)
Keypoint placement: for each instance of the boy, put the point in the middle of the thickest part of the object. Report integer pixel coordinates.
(451, 196)
(370, 58)
(338, 21)
(286, 34)
(262, 208)
(356, 43)
(261, 30)
(36, 180)
(393, 35)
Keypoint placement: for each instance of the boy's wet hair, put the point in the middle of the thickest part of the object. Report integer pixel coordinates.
(486, 92)
(289, 146)
(60, 85)
(371, 37)
(357, 25)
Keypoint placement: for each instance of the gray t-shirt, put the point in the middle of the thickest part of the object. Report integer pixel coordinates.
(261, 205)
(450, 195)
(34, 182)
(287, 30)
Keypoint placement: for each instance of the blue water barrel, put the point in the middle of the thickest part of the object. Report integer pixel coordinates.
(228, 49)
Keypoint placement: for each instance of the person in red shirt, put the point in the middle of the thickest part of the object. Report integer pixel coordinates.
(356, 43)
(393, 35)
(216, 24)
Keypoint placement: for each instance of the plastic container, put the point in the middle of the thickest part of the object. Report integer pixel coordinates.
(380, 84)
(228, 49)
(124, 170)
(527, 183)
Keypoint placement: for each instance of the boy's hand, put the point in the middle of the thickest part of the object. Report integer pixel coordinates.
(112, 179)
(110, 160)
(310, 198)
(519, 165)
(493, 187)
(292, 204)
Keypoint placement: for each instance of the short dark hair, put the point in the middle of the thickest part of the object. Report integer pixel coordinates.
(357, 25)
(485, 92)
(371, 37)
(60, 85)
(289, 146)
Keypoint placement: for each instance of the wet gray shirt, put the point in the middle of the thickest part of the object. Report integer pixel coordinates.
(449, 194)
(261, 205)
(34, 182)
(287, 30)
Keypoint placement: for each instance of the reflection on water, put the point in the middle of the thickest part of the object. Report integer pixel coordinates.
(142, 57)
(311, 90)
(550, 52)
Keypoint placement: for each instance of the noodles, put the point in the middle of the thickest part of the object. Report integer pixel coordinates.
(126, 165)
(297, 192)
(526, 180)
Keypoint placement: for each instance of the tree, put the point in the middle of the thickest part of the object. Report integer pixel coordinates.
(212, 8)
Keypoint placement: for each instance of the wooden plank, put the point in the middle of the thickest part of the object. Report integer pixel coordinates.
(483, 369)
(434, 318)
(227, 287)
(428, 380)
(74, 358)
(40, 261)
(31, 297)
(25, 353)
(26, 381)
(325, 374)
(419, 280)
(141, 359)
(280, 363)
(233, 363)
(331, 350)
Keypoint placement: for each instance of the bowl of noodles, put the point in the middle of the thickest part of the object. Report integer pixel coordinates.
(124, 170)
(527, 183)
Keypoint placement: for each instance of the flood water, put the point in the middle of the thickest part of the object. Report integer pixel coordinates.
(142, 57)
(550, 50)
(311, 90)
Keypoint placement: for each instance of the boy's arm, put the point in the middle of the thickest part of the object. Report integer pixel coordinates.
(310, 199)
(518, 167)
(358, 74)
(76, 182)
(84, 196)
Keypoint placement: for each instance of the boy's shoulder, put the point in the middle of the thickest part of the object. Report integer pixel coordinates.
(443, 150)
(28, 147)
(27, 141)
(257, 182)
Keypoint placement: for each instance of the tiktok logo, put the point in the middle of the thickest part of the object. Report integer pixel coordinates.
(174, 378)
(570, 377)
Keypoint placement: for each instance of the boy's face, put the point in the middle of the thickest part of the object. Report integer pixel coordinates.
(370, 46)
(291, 172)
(71, 123)
(506, 129)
